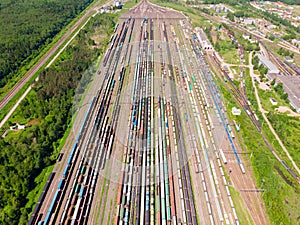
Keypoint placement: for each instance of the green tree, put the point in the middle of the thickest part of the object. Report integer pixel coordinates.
(279, 88)
(273, 82)
(230, 16)
(284, 96)
(217, 46)
(280, 51)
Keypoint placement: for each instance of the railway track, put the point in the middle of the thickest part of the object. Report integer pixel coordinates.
(196, 85)
(254, 119)
(165, 175)
(92, 147)
(146, 194)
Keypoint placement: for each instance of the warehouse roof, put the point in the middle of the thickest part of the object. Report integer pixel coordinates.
(267, 63)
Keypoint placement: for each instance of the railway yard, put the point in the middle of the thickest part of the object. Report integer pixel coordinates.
(152, 143)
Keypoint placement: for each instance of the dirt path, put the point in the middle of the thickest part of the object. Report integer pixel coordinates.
(283, 109)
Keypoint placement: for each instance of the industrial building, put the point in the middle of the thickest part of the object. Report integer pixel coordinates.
(291, 85)
(272, 69)
(205, 43)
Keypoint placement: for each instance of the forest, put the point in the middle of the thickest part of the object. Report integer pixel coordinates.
(48, 112)
(29, 25)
